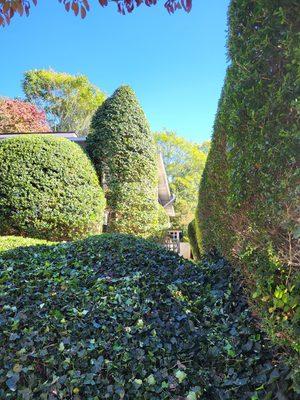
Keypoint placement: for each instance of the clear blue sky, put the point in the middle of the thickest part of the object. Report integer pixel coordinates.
(176, 64)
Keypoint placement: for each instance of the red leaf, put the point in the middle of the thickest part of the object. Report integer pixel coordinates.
(82, 12)
(86, 5)
(75, 8)
(187, 5)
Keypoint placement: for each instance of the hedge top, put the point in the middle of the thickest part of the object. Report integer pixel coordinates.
(121, 142)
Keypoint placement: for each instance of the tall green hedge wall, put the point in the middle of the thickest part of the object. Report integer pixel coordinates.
(48, 189)
(248, 194)
(125, 156)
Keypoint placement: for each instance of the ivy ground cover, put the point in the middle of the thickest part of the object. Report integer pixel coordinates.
(116, 317)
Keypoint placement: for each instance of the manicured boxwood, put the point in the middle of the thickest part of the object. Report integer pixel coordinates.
(116, 317)
(48, 189)
(248, 196)
(125, 156)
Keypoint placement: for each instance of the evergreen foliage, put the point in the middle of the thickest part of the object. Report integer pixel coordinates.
(48, 189)
(116, 317)
(193, 240)
(13, 242)
(125, 156)
(248, 194)
(163, 223)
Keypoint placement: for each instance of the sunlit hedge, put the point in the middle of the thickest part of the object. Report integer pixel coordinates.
(193, 240)
(48, 189)
(248, 194)
(125, 156)
(13, 242)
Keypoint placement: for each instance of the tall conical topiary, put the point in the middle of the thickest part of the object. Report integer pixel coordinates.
(124, 153)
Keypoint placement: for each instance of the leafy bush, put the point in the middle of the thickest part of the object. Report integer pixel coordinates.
(248, 194)
(163, 223)
(116, 317)
(48, 189)
(193, 240)
(12, 242)
(20, 116)
(124, 153)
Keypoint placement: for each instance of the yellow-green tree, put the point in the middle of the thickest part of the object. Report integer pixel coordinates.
(184, 162)
(68, 100)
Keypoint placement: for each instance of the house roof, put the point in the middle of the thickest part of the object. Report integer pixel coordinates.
(67, 135)
(165, 198)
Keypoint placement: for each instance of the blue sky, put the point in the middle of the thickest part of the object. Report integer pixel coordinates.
(176, 64)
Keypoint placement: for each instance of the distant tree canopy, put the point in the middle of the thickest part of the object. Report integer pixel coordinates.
(69, 101)
(20, 116)
(9, 8)
(184, 162)
(205, 146)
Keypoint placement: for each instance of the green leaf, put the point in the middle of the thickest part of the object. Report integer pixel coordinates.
(180, 375)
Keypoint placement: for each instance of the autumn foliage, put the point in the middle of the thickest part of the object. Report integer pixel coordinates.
(19, 116)
(9, 8)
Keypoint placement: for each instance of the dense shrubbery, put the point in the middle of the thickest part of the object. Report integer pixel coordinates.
(163, 223)
(12, 242)
(115, 317)
(48, 189)
(193, 240)
(124, 153)
(248, 198)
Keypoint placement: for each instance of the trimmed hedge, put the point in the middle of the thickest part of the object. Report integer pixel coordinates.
(115, 317)
(193, 240)
(248, 194)
(48, 189)
(12, 242)
(123, 150)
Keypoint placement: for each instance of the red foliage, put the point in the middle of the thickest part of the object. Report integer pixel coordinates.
(22, 117)
(9, 8)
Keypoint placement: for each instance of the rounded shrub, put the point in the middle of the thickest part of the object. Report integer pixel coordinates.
(48, 189)
(125, 156)
(116, 317)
